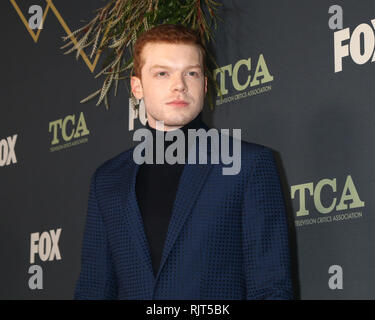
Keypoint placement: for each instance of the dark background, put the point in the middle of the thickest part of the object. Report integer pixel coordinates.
(319, 123)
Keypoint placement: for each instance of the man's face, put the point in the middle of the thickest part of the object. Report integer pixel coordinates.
(173, 84)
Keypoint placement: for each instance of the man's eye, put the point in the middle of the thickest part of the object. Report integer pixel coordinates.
(161, 73)
(193, 73)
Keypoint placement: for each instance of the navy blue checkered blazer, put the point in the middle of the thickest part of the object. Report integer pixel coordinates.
(227, 237)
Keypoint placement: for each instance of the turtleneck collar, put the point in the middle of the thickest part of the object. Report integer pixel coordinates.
(196, 124)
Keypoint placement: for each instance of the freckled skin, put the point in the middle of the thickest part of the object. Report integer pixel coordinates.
(171, 72)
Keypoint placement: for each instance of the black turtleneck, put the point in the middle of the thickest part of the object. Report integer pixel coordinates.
(156, 187)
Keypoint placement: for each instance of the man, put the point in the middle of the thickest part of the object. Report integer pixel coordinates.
(183, 231)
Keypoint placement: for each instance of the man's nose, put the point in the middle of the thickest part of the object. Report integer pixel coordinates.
(179, 83)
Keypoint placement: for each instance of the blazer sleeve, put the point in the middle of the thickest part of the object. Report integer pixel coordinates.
(265, 233)
(97, 277)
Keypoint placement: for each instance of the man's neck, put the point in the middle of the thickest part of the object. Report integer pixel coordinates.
(196, 123)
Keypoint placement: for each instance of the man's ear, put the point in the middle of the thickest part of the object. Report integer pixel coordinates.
(136, 86)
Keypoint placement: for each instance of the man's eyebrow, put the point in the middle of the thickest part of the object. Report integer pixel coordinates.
(195, 66)
(159, 66)
(156, 66)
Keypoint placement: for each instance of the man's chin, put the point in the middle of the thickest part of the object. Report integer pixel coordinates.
(177, 122)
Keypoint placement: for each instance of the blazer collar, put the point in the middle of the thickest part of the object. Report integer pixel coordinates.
(191, 181)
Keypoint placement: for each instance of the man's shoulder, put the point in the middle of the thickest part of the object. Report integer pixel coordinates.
(246, 156)
(254, 155)
(250, 150)
(253, 149)
(116, 163)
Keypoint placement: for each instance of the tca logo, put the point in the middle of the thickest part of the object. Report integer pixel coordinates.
(349, 194)
(7, 153)
(261, 74)
(67, 129)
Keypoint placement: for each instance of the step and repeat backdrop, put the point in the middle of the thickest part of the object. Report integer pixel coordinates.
(296, 76)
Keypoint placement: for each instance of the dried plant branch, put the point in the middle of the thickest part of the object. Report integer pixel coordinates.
(116, 26)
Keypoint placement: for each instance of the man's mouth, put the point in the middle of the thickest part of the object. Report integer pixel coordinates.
(179, 103)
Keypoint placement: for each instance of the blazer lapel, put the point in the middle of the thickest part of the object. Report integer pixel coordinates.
(191, 181)
(132, 215)
(190, 184)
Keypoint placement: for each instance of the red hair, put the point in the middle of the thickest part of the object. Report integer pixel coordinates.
(167, 33)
